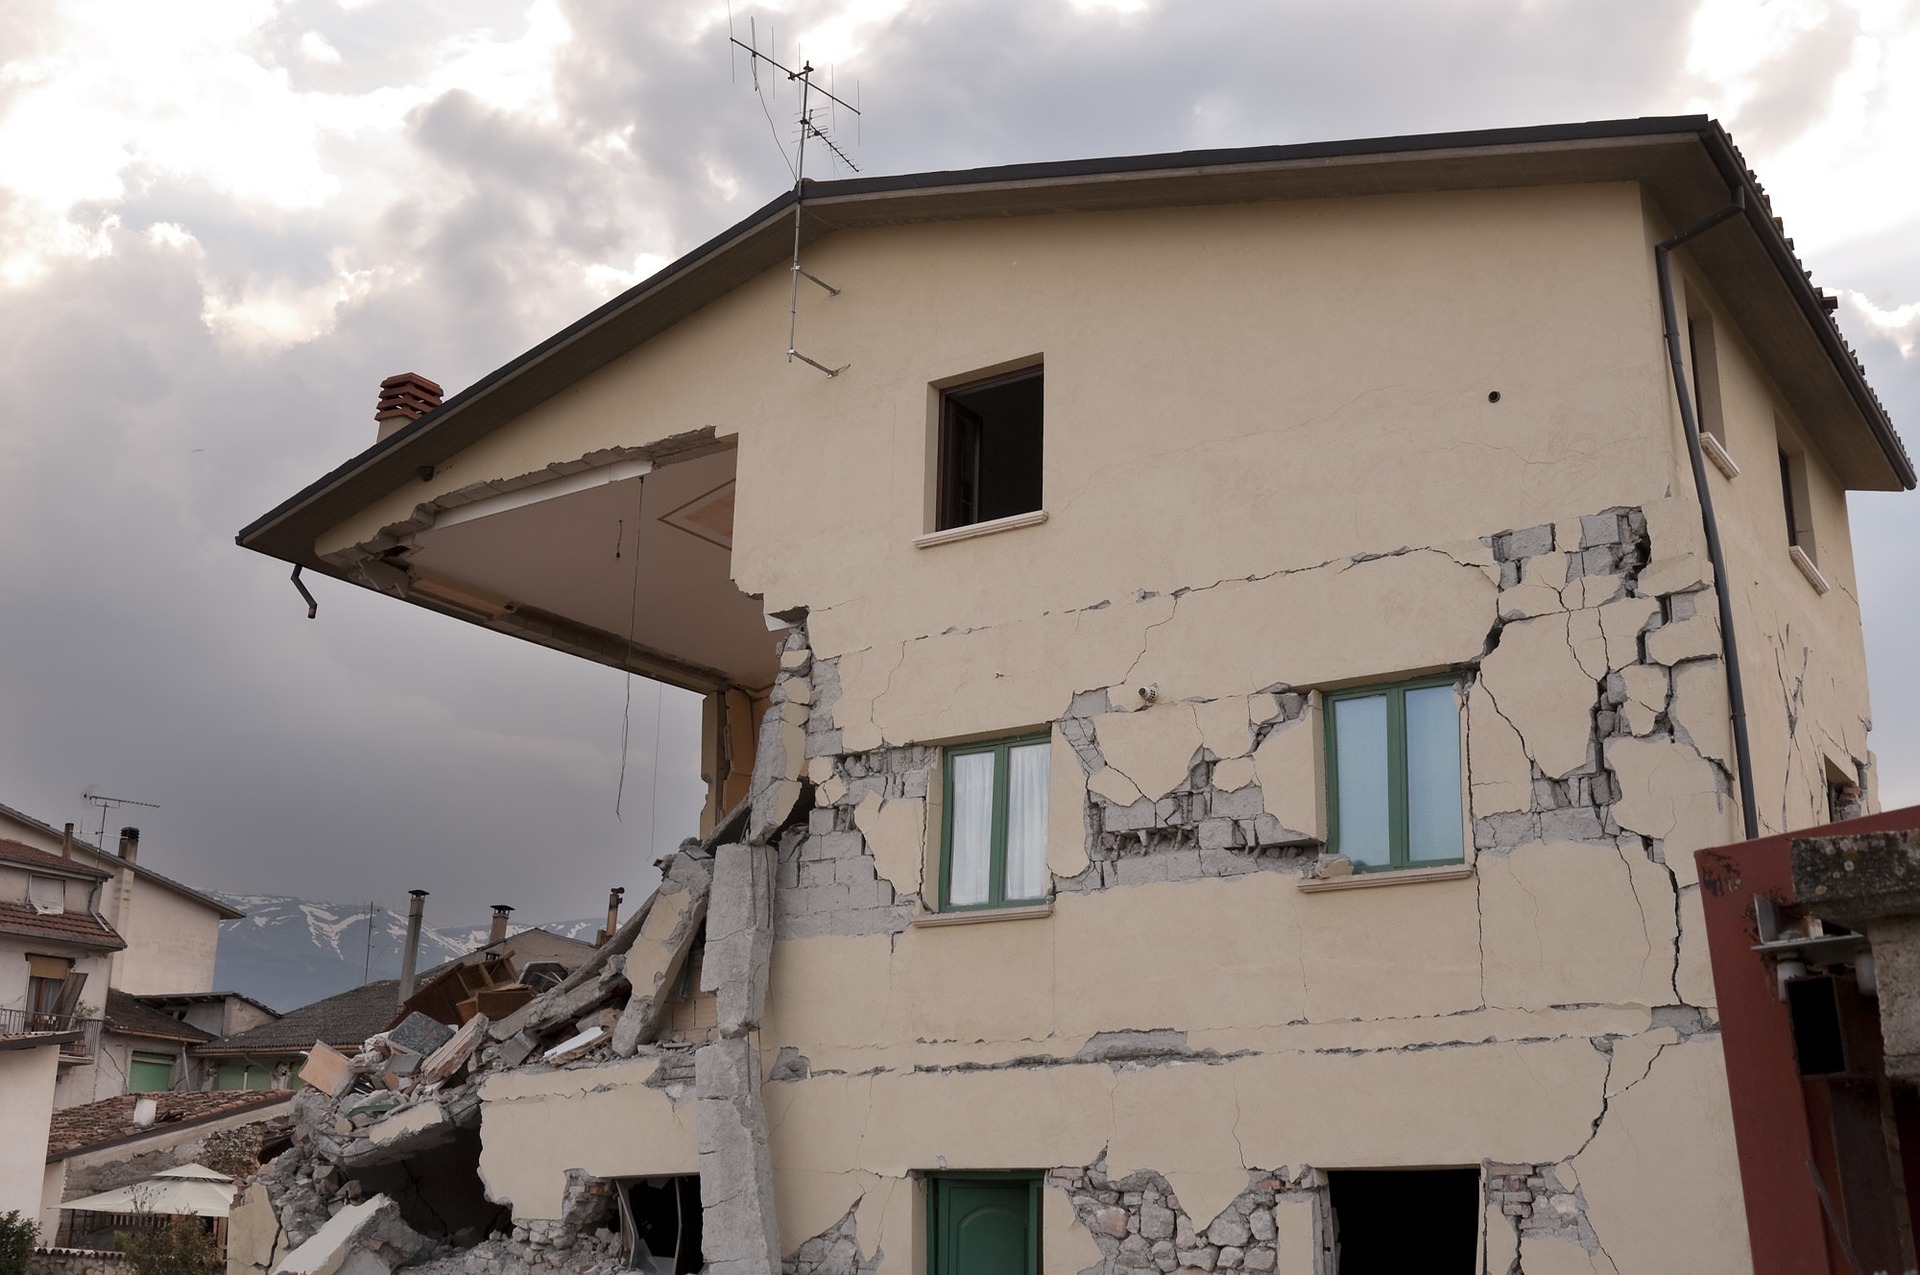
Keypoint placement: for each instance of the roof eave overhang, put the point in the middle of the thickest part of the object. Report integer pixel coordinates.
(1662, 153)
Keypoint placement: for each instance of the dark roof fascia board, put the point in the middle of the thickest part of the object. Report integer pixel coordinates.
(1820, 321)
(822, 195)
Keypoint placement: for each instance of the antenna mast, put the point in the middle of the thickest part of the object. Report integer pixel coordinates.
(106, 803)
(808, 128)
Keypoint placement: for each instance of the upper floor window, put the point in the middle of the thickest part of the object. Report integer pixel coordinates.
(47, 894)
(1393, 775)
(994, 823)
(990, 449)
(1705, 361)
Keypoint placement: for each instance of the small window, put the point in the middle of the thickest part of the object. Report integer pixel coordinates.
(983, 1224)
(1387, 1221)
(990, 450)
(1795, 504)
(994, 824)
(1393, 776)
(47, 894)
(149, 1072)
(1706, 372)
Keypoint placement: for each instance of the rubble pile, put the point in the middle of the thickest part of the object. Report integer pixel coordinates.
(405, 1110)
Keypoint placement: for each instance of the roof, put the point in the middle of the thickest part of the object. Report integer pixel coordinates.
(226, 910)
(527, 947)
(343, 1021)
(169, 999)
(1687, 163)
(82, 929)
(126, 1015)
(33, 857)
(93, 1125)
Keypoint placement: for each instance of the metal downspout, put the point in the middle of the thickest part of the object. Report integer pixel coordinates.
(1722, 584)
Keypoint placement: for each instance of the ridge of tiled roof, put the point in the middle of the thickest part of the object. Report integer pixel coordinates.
(93, 1125)
(127, 1015)
(343, 1020)
(34, 857)
(82, 929)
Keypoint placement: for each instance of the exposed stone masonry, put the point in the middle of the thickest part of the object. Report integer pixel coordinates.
(1139, 1224)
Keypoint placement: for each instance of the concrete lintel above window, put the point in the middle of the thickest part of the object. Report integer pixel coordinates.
(1025, 912)
(1807, 569)
(1033, 519)
(1396, 876)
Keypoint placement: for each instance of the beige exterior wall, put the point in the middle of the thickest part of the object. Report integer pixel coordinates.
(1271, 463)
(170, 939)
(26, 1105)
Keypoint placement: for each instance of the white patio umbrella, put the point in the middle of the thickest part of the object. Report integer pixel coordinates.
(191, 1189)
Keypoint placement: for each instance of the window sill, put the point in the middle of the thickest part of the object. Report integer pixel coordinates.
(1717, 453)
(973, 529)
(1807, 569)
(1403, 876)
(1025, 912)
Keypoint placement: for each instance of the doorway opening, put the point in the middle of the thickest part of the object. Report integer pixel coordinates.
(1389, 1221)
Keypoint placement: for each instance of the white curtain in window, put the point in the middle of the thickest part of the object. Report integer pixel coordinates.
(970, 853)
(1027, 821)
(47, 894)
(1360, 735)
(1433, 774)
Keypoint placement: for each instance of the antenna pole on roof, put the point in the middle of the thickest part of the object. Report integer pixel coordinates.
(808, 128)
(93, 798)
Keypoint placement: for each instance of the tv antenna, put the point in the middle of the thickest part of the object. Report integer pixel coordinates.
(93, 798)
(809, 116)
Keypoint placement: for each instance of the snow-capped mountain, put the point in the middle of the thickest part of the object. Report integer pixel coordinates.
(288, 952)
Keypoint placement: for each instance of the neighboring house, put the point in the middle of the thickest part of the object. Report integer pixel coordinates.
(101, 1145)
(56, 951)
(171, 929)
(1223, 687)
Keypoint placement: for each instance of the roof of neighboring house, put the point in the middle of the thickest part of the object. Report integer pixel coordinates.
(226, 910)
(82, 929)
(33, 857)
(1688, 164)
(93, 1125)
(159, 999)
(126, 1015)
(528, 946)
(343, 1021)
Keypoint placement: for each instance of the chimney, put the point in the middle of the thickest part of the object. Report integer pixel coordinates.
(145, 1110)
(501, 911)
(404, 399)
(613, 913)
(410, 958)
(130, 844)
(66, 843)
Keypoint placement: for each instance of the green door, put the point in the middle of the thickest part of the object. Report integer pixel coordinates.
(985, 1224)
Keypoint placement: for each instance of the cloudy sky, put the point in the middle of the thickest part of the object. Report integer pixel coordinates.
(221, 223)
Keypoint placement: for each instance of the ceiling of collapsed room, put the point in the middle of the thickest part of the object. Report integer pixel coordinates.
(646, 559)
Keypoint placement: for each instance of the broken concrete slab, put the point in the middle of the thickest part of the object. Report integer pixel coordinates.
(419, 1034)
(1539, 686)
(896, 835)
(575, 1046)
(327, 1069)
(368, 1238)
(449, 1058)
(657, 954)
(740, 935)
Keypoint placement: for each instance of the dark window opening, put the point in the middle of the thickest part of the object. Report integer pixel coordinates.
(1819, 1040)
(1786, 499)
(990, 449)
(1706, 376)
(1390, 1221)
(661, 1218)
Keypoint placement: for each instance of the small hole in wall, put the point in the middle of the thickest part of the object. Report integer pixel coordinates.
(1493, 396)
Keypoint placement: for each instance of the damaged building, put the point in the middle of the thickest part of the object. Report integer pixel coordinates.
(1210, 710)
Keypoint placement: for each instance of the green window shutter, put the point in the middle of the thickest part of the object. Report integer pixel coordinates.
(984, 1224)
(149, 1073)
(1394, 784)
(233, 1076)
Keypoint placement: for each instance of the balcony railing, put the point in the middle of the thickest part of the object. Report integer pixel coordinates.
(26, 1022)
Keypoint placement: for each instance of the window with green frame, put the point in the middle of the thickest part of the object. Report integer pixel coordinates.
(1393, 775)
(149, 1072)
(993, 839)
(983, 1224)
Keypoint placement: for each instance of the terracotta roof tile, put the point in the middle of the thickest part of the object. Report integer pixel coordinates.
(34, 857)
(126, 1015)
(81, 928)
(96, 1124)
(344, 1021)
